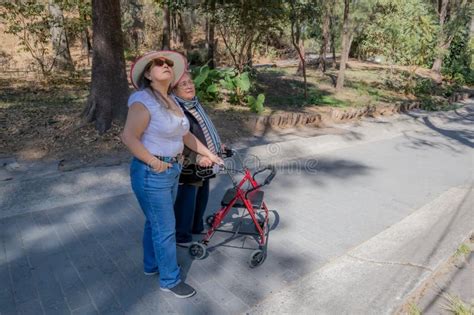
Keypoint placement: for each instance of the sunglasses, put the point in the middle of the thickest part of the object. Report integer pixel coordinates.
(160, 62)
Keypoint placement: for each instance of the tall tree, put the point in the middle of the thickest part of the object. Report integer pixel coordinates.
(452, 16)
(59, 39)
(133, 24)
(471, 27)
(443, 44)
(174, 35)
(85, 16)
(210, 32)
(180, 10)
(109, 86)
(183, 32)
(240, 25)
(403, 31)
(165, 43)
(301, 70)
(296, 17)
(174, 30)
(346, 43)
(30, 22)
(325, 34)
(332, 33)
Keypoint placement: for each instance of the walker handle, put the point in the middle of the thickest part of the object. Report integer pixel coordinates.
(266, 181)
(228, 152)
(272, 175)
(269, 177)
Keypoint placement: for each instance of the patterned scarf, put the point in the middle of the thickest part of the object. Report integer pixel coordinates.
(193, 106)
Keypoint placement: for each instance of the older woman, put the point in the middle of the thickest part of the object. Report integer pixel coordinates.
(155, 132)
(193, 189)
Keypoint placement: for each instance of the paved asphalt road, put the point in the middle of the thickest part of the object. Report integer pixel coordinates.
(71, 242)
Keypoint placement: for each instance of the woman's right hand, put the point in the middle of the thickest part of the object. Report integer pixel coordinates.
(215, 159)
(159, 166)
(204, 161)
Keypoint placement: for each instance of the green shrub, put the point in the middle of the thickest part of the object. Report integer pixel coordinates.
(214, 84)
(393, 84)
(206, 81)
(458, 64)
(256, 104)
(238, 85)
(424, 87)
(459, 79)
(431, 103)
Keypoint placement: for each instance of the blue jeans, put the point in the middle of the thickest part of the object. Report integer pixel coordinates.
(156, 193)
(189, 210)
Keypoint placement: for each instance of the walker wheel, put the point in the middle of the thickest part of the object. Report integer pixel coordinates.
(257, 258)
(197, 250)
(210, 219)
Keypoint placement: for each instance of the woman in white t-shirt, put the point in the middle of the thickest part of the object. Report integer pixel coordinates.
(155, 132)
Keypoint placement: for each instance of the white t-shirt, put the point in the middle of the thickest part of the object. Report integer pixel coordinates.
(164, 134)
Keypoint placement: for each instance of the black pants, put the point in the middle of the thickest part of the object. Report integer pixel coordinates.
(189, 208)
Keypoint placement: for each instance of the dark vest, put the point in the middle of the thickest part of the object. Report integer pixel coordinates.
(190, 169)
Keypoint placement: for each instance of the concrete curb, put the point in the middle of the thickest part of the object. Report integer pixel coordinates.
(377, 276)
(323, 116)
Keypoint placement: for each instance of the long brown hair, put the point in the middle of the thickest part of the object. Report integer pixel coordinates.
(160, 98)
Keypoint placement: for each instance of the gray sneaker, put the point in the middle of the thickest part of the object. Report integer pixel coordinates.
(181, 290)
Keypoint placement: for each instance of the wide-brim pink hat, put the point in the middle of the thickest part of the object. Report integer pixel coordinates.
(138, 67)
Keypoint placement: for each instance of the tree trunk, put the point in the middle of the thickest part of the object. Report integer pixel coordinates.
(109, 86)
(175, 36)
(333, 42)
(437, 64)
(299, 71)
(86, 36)
(249, 54)
(471, 28)
(442, 12)
(232, 53)
(88, 44)
(138, 25)
(210, 38)
(345, 47)
(165, 43)
(184, 36)
(325, 40)
(62, 59)
(295, 38)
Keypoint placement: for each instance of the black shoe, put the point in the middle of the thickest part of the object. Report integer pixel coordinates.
(151, 273)
(202, 232)
(182, 290)
(184, 244)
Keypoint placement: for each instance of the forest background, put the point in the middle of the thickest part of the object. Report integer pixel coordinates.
(64, 64)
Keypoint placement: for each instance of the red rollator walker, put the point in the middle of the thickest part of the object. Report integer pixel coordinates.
(245, 194)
